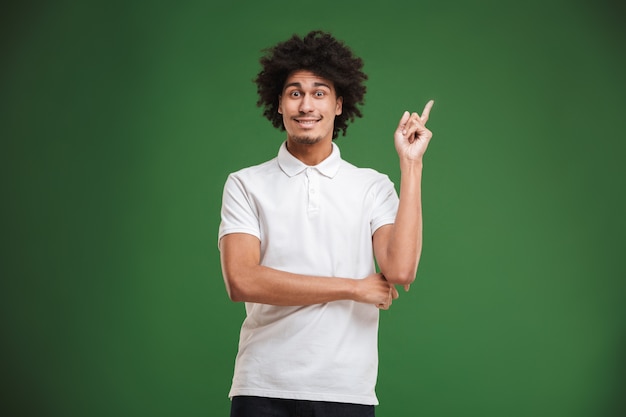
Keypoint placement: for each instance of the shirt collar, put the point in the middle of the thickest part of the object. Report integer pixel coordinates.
(293, 166)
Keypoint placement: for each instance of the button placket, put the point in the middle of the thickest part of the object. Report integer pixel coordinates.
(313, 189)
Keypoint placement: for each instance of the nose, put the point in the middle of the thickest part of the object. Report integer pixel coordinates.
(306, 104)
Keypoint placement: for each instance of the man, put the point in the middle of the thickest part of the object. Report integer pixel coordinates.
(299, 234)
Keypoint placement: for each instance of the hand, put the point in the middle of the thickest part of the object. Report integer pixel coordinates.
(375, 289)
(411, 136)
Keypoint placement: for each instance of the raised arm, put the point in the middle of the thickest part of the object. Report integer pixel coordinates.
(247, 280)
(398, 246)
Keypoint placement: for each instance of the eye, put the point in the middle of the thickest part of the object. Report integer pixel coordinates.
(295, 93)
(320, 93)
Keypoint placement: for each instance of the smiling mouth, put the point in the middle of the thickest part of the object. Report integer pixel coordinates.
(307, 122)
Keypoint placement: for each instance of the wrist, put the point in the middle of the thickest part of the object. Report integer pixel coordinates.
(411, 165)
(353, 292)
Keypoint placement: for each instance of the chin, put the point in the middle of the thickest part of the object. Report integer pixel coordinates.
(306, 140)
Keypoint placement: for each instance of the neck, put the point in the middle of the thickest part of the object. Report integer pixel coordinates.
(310, 154)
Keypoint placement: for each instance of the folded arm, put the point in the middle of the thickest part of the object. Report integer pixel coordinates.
(247, 280)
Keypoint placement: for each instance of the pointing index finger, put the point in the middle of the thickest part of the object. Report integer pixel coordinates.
(426, 111)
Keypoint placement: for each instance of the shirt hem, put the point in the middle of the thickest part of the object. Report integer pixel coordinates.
(232, 230)
(307, 396)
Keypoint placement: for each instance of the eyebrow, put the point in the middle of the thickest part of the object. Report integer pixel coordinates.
(316, 84)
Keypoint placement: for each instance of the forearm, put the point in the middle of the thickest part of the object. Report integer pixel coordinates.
(260, 284)
(247, 280)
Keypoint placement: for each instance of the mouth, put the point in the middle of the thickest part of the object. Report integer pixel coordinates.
(307, 123)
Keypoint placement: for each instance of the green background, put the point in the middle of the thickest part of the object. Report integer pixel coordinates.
(121, 120)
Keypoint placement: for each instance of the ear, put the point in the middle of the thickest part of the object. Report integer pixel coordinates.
(339, 106)
(280, 105)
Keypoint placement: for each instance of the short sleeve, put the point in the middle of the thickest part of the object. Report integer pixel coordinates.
(385, 204)
(238, 213)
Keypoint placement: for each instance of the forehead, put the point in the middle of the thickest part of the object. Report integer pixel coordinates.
(304, 78)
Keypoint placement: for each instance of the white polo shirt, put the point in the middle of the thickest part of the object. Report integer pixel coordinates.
(312, 220)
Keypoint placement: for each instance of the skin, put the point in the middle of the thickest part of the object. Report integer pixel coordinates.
(309, 105)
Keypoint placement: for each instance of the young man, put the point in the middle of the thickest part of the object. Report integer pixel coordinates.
(299, 234)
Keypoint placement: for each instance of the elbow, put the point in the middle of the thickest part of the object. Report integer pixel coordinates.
(235, 292)
(401, 278)
(401, 272)
(404, 276)
(234, 295)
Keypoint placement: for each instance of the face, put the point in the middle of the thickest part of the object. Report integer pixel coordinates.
(309, 105)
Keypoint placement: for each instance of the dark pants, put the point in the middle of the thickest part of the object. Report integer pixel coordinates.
(247, 406)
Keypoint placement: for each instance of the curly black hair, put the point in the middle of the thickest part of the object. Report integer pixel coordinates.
(323, 55)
